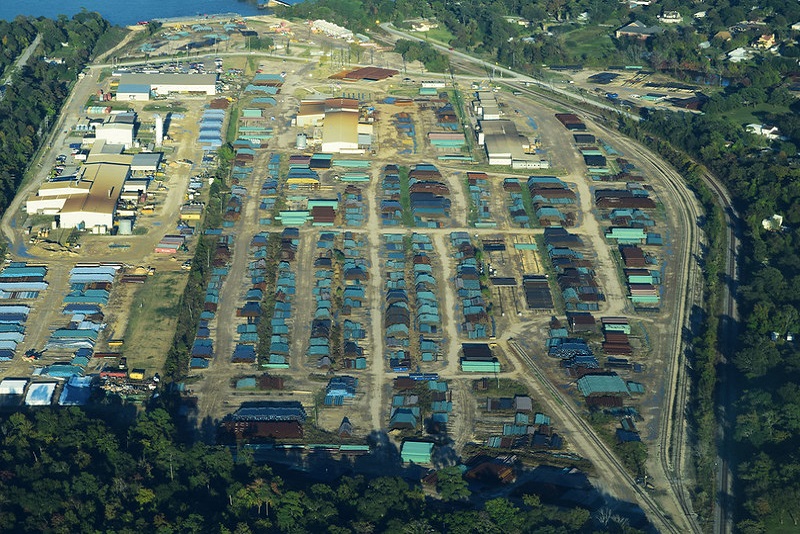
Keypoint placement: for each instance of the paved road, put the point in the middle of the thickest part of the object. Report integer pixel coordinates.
(23, 58)
(40, 167)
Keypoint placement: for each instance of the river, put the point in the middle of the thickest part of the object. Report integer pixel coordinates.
(125, 12)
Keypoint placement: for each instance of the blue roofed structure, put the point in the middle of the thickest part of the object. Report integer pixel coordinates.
(590, 385)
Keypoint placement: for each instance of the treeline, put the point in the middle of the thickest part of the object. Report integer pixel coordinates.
(63, 470)
(192, 301)
(38, 90)
(763, 181)
(433, 60)
(14, 37)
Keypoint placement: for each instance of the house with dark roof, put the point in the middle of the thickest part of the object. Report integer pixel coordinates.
(638, 30)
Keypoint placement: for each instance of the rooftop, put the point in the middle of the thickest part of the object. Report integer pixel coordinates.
(167, 79)
(340, 127)
(106, 185)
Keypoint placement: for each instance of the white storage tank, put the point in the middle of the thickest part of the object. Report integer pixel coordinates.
(302, 141)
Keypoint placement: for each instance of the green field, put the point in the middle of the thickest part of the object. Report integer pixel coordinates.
(440, 34)
(590, 45)
(751, 115)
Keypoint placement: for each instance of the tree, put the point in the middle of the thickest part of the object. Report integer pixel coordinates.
(451, 485)
(504, 514)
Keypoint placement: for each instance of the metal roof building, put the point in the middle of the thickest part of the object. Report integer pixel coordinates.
(271, 411)
(40, 394)
(133, 92)
(418, 452)
(601, 384)
(504, 145)
(164, 84)
(13, 386)
(340, 131)
(115, 133)
(97, 208)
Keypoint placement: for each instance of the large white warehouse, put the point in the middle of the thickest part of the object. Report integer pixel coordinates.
(140, 86)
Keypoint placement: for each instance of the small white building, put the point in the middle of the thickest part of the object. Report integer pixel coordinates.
(770, 132)
(331, 30)
(115, 133)
(740, 54)
(670, 17)
(134, 92)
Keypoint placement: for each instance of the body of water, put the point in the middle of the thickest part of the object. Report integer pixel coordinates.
(123, 12)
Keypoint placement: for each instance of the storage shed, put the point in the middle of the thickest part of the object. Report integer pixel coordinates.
(418, 452)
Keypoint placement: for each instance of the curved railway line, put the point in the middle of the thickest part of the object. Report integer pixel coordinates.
(672, 422)
(673, 441)
(662, 521)
(672, 435)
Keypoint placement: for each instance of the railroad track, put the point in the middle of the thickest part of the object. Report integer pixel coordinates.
(665, 524)
(672, 420)
(723, 511)
(672, 446)
(673, 424)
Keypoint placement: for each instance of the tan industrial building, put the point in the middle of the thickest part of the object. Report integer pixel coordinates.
(312, 111)
(340, 132)
(89, 201)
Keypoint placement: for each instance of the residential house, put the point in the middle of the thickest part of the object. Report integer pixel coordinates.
(740, 54)
(638, 30)
(770, 132)
(765, 42)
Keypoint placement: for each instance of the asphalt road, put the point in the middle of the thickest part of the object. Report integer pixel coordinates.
(23, 58)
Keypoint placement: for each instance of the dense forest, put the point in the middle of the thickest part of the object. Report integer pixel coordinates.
(63, 470)
(764, 180)
(37, 91)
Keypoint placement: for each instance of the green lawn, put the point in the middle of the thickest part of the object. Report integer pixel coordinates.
(440, 34)
(165, 108)
(405, 197)
(590, 44)
(749, 115)
(233, 125)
